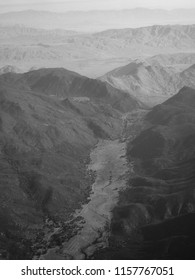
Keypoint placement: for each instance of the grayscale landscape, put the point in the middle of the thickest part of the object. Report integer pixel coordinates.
(97, 132)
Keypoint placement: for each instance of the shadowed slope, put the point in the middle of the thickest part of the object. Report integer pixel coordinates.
(155, 216)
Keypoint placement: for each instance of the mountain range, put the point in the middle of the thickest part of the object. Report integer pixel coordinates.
(93, 54)
(114, 89)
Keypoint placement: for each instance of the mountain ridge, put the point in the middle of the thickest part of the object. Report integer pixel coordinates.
(149, 81)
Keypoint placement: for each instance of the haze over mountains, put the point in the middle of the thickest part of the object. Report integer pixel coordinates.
(91, 21)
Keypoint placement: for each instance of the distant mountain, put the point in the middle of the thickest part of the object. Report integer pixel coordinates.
(159, 36)
(154, 36)
(94, 54)
(150, 83)
(22, 34)
(175, 61)
(98, 20)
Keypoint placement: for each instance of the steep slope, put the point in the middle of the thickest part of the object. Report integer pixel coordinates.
(155, 216)
(188, 75)
(149, 82)
(46, 135)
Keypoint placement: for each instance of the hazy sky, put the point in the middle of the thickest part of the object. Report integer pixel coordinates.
(64, 5)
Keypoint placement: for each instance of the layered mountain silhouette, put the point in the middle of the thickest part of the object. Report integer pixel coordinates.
(155, 215)
(92, 54)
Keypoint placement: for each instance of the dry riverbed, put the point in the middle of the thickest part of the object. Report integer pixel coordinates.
(108, 161)
(91, 223)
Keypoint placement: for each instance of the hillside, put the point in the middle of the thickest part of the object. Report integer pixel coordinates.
(150, 81)
(188, 75)
(63, 83)
(155, 216)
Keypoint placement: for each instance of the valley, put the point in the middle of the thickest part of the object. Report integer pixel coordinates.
(109, 164)
(97, 129)
(119, 179)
